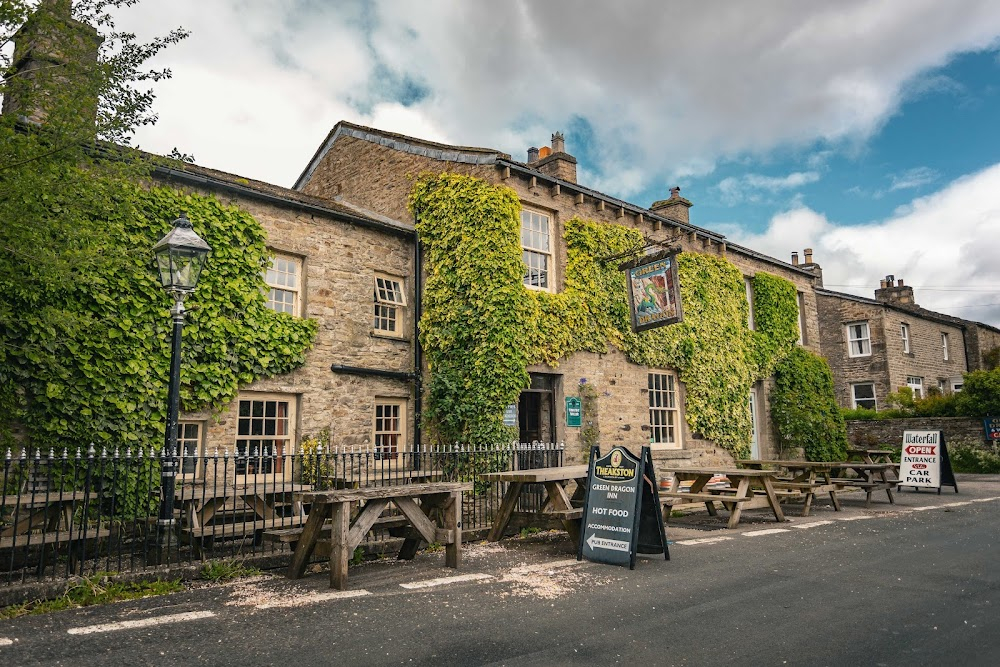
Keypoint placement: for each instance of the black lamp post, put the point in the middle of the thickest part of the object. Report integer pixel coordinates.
(180, 257)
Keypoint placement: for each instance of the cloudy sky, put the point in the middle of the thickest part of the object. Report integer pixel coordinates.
(865, 130)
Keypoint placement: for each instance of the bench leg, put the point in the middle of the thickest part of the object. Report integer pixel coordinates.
(453, 522)
(835, 500)
(340, 545)
(710, 506)
(807, 504)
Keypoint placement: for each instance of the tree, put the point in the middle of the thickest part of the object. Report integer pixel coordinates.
(74, 91)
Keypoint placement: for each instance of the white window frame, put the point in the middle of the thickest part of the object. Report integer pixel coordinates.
(190, 443)
(916, 384)
(389, 418)
(864, 342)
(531, 222)
(944, 346)
(854, 395)
(254, 445)
(748, 285)
(957, 384)
(390, 306)
(284, 282)
(664, 410)
(904, 333)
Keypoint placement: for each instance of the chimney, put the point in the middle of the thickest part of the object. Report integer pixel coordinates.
(795, 259)
(897, 293)
(675, 208)
(532, 155)
(557, 162)
(53, 53)
(811, 266)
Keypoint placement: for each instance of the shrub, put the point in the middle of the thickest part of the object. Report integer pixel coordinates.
(804, 407)
(974, 459)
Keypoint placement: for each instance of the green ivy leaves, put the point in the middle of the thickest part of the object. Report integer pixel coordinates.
(481, 327)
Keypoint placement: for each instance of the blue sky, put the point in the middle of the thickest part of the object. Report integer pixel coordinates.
(865, 129)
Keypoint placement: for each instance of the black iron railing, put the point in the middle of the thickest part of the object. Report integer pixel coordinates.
(77, 513)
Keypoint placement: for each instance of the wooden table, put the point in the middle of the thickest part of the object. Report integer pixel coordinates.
(742, 484)
(557, 503)
(870, 455)
(802, 479)
(869, 476)
(436, 519)
(350, 479)
(46, 517)
(204, 506)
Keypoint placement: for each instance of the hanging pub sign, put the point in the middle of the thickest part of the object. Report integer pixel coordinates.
(924, 462)
(654, 291)
(621, 514)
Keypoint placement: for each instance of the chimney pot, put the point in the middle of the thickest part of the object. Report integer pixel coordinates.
(675, 192)
(532, 154)
(899, 283)
(808, 252)
(881, 284)
(558, 143)
(795, 259)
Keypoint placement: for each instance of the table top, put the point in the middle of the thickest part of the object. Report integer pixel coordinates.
(537, 475)
(788, 464)
(198, 490)
(45, 497)
(860, 465)
(728, 472)
(375, 492)
(376, 475)
(879, 452)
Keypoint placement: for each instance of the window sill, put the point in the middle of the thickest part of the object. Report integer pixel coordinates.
(374, 333)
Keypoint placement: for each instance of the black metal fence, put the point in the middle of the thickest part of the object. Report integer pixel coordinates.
(78, 513)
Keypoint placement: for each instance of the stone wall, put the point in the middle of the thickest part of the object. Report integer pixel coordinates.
(878, 432)
(339, 261)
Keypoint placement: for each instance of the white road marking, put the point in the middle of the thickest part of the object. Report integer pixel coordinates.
(813, 524)
(768, 531)
(428, 583)
(924, 508)
(6, 642)
(704, 540)
(964, 502)
(298, 600)
(860, 517)
(141, 623)
(983, 500)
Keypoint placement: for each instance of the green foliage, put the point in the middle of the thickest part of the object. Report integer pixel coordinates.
(590, 432)
(226, 570)
(980, 395)
(472, 328)
(95, 589)
(804, 409)
(972, 458)
(991, 360)
(107, 382)
(480, 334)
(316, 462)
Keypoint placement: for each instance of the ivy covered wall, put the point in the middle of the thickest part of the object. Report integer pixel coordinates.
(470, 230)
(103, 377)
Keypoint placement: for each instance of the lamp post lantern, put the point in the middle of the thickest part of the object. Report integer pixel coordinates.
(180, 257)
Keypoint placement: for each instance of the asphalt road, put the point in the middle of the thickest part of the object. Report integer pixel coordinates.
(894, 585)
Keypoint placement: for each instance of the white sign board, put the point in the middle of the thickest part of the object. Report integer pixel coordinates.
(920, 461)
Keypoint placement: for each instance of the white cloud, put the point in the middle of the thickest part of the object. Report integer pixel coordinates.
(666, 89)
(913, 178)
(756, 187)
(943, 242)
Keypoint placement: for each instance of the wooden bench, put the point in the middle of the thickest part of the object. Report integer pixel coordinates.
(433, 509)
(291, 536)
(740, 494)
(557, 505)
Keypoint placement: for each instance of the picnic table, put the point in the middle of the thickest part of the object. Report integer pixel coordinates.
(870, 455)
(355, 479)
(556, 504)
(801, 479)
(870, 477)
(46, 518)
(433, 510)
(738, 490)
(205, 509)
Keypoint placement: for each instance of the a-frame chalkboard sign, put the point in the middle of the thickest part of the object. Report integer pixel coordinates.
(621, 514)
(924, 462)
